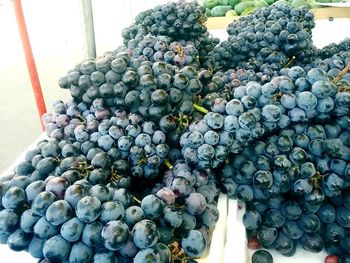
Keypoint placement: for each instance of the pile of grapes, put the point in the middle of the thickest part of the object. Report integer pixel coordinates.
(133, 164)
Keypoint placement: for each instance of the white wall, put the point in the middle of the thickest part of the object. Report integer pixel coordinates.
(111, 16)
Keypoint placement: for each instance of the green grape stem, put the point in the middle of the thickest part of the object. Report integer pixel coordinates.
(290, 62)
(200, 108)
(168, 164)
(137, 200)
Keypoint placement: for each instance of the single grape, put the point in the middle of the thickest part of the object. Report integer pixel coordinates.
(262, 256)
(145, 234)
(194, 244)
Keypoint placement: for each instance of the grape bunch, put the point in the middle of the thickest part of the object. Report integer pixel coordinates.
(122, 143)
(151, 89)
(95, 78)
(333, 49)
(308, 95)
(134, 162)
(333, 65)
(63, 215)
(221, 85)
(205, 44)
(230, 125)
(269, 39)
(295, 157)
(182, 20)
(150, 48)
(293, 184)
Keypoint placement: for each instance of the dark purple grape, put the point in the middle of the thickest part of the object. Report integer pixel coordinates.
(262, 256)
(19, 240)
(14, 198)
(56, 249)
(57, 186)
(59, 212)
(92, 235)
(8, 220)
(80, 253)
(28, 220)
(145, 234)
(88, 209)
(194, 244)
(115, 234)
(195, 204)
(133, 214)
(152, 206)
(43, 229)
(42, 202)
(72, 229)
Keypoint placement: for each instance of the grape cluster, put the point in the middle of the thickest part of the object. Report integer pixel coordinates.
(231, 124)
(333, 65)
(133, 164)
(293, 184)
(151, 89)
(333, 49)
(150, 48)
(221, 85)
(95, 78)
(307, 96)
(61, 205)
(120, 142)
(268, 39)
(182, 20)
(205, 44)
(300, 162)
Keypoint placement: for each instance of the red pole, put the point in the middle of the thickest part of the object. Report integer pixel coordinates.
(28, 53)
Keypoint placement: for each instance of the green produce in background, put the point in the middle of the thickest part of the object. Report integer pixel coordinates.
(233, 2)
(231, 13)
(239, 8)
(224, 2)
(220, 10)
(231, 8)
(260, 3)
(281, 2)
(210, 4)
(248, 11)
(312, 3)
(298, 3)
(208, 12)
(270, 2)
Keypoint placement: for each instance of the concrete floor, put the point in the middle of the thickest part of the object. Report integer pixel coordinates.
(58, 43)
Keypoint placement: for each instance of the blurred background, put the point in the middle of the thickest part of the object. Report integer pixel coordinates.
(57, 35)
